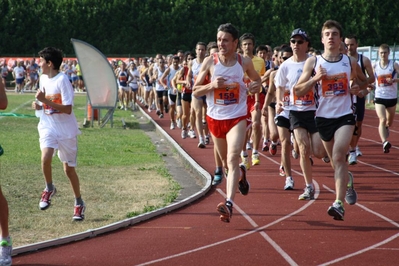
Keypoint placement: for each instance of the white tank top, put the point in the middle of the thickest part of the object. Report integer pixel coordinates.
(230, 101)
(158, 85)
(333, 99)
(382, 89)
(195, 68)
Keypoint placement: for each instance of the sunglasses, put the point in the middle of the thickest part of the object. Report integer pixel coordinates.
(297, 41)
(189, 58)
(285, 57)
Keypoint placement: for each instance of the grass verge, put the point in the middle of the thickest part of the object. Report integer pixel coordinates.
(121, 175)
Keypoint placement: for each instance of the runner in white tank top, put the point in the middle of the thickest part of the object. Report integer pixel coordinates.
(227, 109)
(331, 73)
(386, 94)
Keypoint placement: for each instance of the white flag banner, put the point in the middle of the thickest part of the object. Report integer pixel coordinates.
(98, 75)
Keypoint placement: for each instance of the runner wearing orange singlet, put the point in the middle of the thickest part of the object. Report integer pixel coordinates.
(254, 101)
(227, 109)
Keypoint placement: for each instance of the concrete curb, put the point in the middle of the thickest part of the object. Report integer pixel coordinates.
(184, 156)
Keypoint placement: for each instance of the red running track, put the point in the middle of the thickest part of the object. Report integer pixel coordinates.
(270, 226)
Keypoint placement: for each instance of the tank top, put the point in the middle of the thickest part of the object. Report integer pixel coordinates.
(122, 79)
(230, 101)
(172, 73)
(333, 99)
(158, 85)
(384, 90)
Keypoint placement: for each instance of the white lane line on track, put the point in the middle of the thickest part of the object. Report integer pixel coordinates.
(370, 247)
(18, 107)
(256, 230)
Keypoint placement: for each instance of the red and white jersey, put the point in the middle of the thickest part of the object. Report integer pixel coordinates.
(230, 101)
(383, 89)
(333, 98)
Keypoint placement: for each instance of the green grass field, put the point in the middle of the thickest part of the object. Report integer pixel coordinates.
(121, 175)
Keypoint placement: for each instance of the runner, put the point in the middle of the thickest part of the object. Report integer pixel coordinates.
(254, 101)
(227, 109)
(386, 93)
(197, 104)
(360, 105)
(334, 115)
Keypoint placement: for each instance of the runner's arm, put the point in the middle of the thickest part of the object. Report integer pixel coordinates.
(306, 82)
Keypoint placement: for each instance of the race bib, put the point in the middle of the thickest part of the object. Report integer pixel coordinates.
(229, 94)
(382, 80)
(305, 100)
(286, 99)
(335, 85)
(55, 98)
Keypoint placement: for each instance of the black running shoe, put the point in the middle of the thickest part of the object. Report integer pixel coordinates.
(243, 184)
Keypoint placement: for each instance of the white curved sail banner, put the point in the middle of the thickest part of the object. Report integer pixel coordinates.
(98, 76)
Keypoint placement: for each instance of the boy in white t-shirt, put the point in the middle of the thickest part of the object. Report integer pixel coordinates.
(58, 128)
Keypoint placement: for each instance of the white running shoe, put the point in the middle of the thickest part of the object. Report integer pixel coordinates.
(352, 160)
(191, 134)
(289, 183)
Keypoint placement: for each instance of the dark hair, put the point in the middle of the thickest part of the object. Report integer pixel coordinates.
(176, 58)
(331, 24)
(248, 36)
(52, 54)
(229, 28)
(201, 43)
(262, 48)
(286, 49)
(351, 36)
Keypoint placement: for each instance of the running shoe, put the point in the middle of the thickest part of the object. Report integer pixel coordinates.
(255, 159)
(5, 253)
(201, 144)
(217, 178)
(326, 159)
(45, 200)
(386, 146)
(358, 152)
(289, 183)
(265, 146)
(337, 211)
(249, 146)
(191, 134)
(184, 134)
(158, 112)
(243, 184)
(281, 170)
(79, 212)
(351, 194)
(161, 115)
(294, 154)
(245, 161)
(207, 141)
(225, 210)
(273, 149)
(179, 123)
(352, 160)
(172, 125)
(308, 193)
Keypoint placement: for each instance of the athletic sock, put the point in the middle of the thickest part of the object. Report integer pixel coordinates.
(78, 201)
(49, 187)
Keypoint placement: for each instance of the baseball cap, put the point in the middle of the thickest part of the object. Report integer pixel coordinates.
(300, 32)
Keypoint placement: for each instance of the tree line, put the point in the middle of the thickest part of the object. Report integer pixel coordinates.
(136, 27)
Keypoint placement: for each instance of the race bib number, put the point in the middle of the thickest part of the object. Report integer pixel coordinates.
(286, 99)
(382, 80)
(336, 85)
(229, 94)
(55, 98)
(305, 100)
